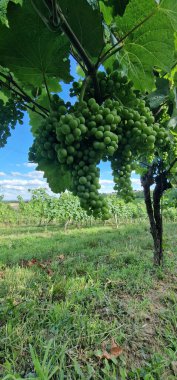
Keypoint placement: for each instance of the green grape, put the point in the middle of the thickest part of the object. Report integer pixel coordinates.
(46, 143)
(120, 129)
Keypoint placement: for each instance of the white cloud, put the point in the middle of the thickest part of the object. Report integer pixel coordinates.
(33, 174)
(16, 174)
(106, 182)
(106, 189)
(18, 183)
(30, 165)
(106, 185)
(136, 181)
(11, 188)
(14, 187)
(22, 182)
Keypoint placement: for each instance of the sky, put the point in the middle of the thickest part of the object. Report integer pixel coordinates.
(18, 176)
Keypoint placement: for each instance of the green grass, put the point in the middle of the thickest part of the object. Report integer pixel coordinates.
(104, 287)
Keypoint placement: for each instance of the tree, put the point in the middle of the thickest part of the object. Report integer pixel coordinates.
(120, 60)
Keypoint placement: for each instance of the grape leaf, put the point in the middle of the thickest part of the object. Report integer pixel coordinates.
(169, 8)
(80, 72)
(107, 11)
(36, 119)
(58, 179)
(3, 9)
(156, 98)
(86, 23)
(3, 96)
(34, 50)
(119, 6)
(53, 85)
(112, 8)
(150, 40)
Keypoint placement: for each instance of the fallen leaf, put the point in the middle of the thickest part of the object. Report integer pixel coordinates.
(43, 265)
(49, 272)
(115, 351)
(60, 257)
(106, 355)
(31, 262)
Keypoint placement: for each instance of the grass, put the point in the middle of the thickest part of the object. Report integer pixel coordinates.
(88, 286)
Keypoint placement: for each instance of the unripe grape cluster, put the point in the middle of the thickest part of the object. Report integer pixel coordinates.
(11, 112)
(85, 136)
(112, 86)
(120, 129)
(136, 134)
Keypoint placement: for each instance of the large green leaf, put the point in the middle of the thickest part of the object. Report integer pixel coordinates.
(58, 179)
(149, 28)
(86, 23)
(169, 8)
(29, 49)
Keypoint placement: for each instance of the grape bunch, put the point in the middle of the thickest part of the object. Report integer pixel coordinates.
(11, 112)
(85, 135)
(137, 133)
(113, 86)
(86, 186)
(121, 128)
(44, 146)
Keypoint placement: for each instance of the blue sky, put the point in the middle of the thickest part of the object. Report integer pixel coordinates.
(17, 175)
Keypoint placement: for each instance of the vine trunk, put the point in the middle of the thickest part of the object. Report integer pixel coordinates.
(154, 211)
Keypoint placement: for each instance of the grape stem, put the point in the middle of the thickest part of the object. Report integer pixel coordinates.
(25, 105)
(47, 89)
(156, 114)
(107, 56)
(116, 47)
(83, 88)
(92, 71)
(78, 61)
(26, 98)
(60, 22)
